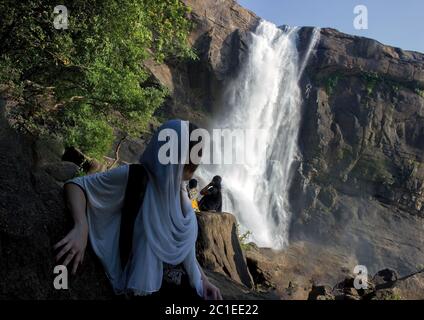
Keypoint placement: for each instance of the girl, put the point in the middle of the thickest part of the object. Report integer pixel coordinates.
(193, 194)
(164, 228)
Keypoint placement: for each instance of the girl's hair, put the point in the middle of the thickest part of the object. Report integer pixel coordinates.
(217, 181)
(192, 184)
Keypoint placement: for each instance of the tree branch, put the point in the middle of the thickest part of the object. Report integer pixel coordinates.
(118, 147)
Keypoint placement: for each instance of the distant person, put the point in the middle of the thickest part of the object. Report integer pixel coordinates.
(212, 197)
(193, 193)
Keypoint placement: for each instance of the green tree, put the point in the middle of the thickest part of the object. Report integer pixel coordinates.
(96, 65)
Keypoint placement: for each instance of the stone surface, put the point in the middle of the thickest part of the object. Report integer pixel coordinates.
(295, 270)
(232, 290)
(384, 277)
(61, 171)
(385, 285)
(410, 288)
(218, 246)
(32, 220)
(321, 293)
(358, 187)
(218, 41)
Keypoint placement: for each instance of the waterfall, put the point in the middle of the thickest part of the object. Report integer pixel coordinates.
(264, 96)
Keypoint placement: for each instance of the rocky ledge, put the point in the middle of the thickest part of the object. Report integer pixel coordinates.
(385, 285)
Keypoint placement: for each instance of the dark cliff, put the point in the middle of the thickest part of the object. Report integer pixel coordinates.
(361, 175)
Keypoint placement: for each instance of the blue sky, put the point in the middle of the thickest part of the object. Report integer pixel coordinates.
(394, 22)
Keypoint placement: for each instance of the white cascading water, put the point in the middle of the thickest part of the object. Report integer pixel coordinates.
(265, 96)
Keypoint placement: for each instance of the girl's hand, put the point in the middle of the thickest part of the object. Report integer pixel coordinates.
(73, 246)
(210, 292)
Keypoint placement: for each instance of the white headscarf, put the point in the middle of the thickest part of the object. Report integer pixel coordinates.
(163, 231)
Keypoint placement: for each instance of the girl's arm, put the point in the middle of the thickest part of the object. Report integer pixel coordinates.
(106, 190)
(210, 292)
(74, 244)
(204, 191)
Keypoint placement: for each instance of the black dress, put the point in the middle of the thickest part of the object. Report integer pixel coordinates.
(212, 200)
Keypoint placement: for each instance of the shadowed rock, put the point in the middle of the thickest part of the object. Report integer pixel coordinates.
(218, 246)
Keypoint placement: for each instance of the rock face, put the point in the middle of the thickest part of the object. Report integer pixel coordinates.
(292, 273)
(33, 219)
(360, 184)
(216, 35)
(383, 286)
(219, 249)
(218, 41)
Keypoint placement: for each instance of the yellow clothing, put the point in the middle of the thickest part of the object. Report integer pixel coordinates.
(193, 193)
(195, 205)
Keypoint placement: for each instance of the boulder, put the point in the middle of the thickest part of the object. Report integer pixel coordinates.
(47, 150)
(260, 267)
(218, 246)
(217, 38)
(32, 220)
(321, 293)
(62, 171)
(87, 164)
(385, 277)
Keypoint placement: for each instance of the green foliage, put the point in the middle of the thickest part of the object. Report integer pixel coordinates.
(80, 173)
(243, 239)
(392, 296)
(331, 83)
(371, 80)
(396, 296)
(395, 88)
(420, 92)
(376, 170)
(98, 59)
(343, 154)
(10, 75)
(93, 134)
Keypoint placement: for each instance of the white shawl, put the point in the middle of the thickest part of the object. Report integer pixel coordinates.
(165, 229)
